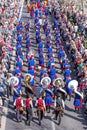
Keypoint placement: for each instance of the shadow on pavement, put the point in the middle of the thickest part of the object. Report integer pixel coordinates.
(68, 108)
(82, 120)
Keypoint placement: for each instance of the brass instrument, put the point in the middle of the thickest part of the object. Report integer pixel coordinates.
(73, 84)
(58, 82)
(13, 82)
(45, 81)
(28, 78)
(78, 94)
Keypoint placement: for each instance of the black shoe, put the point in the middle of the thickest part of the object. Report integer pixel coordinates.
(75, 110)
(19, 121)
(69, 99)
(55, 118)
(78, 110)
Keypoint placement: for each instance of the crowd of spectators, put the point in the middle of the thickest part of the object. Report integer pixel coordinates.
(9, 16)
(74, 34)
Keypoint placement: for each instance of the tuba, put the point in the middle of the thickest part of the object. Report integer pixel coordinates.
(73, 84)
(28, 78)
(58, 82)
(45, 81)
(78, 94)
(13, 81)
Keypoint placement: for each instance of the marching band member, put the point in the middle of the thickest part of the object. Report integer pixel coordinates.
(19, 65)
(77, 102)
(41, 59)
(51, 60)
(19, 38)
(67, 72)
(27, 26)
(29, 106)
(19, 108)
(58, 104)
(40, 104)
(52, 72)
(17, 71)
(42, 72)
(16, 91)
(28, 43)
(31, 61)
(48, 100)
(32, 72)
(69, 92)
(36, 13)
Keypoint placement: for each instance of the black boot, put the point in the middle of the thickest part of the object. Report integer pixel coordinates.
(75, 110)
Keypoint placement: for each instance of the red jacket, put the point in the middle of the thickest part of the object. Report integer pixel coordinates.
(40, 103)
(28, 105)
(18, 103)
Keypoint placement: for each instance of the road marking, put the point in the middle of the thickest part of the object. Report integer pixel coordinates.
(53, 125)
(21, 10)
(3, 120)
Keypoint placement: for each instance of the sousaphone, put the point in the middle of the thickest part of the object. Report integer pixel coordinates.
(50, 91)
(14, 81)
(73, 84)
(78, 94)
(58, 82)
(45, 81)
(62, 92)
(28, 78)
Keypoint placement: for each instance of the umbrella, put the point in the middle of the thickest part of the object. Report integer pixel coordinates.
(73, 84)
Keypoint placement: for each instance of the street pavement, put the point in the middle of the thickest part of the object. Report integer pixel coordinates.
(71, 120)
